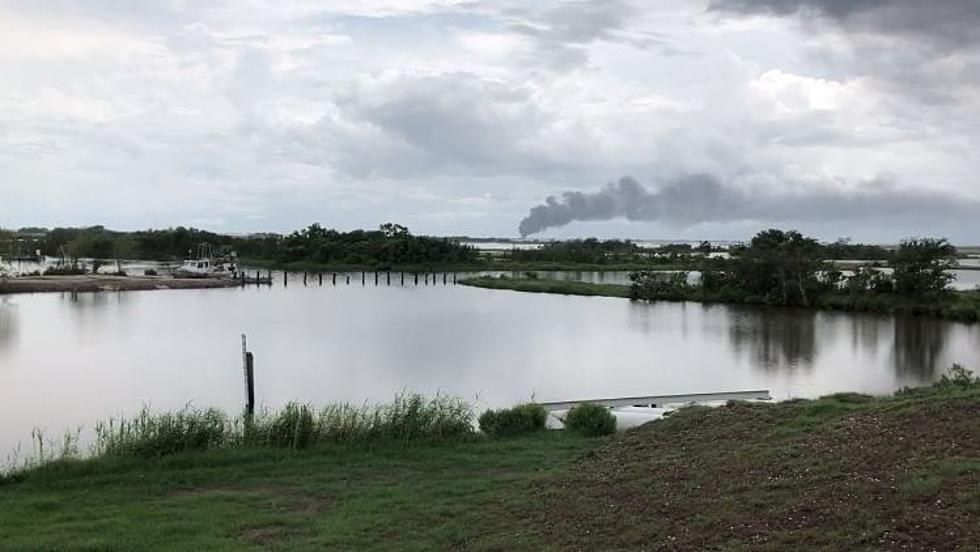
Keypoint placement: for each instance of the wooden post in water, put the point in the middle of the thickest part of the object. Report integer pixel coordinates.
(375, 277)
(248, 366)
(416, 278)
(304, 278)
(270, 277)
(321, 278)
(334, 278)
(363, 276)
(348, 279)
(426, 278)
(444, 278)
(285, 278)
(454, 278)
(403, 277)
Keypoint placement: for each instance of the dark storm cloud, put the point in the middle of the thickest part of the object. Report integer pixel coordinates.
(950, 24)
(703, 198)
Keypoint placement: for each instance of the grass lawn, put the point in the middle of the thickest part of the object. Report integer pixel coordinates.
(846, 472)
(466, 493)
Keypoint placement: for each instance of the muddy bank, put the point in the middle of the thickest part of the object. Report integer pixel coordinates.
(99, 282)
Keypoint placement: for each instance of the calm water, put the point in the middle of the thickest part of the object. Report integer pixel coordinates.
(67, 360)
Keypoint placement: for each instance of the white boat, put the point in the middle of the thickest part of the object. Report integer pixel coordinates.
(208, 265)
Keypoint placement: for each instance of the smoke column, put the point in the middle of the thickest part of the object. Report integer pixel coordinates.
(702, 198)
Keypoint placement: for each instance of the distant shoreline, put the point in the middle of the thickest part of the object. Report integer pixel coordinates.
(99, 282)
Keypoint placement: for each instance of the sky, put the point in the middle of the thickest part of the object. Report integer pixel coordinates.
(695, 119)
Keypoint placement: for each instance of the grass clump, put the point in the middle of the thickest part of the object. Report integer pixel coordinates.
(296, 426)
(157, 434)
(510, 422)
(590, 420)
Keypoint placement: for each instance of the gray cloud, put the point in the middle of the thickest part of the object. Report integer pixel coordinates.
(702, 198)
(945, 23)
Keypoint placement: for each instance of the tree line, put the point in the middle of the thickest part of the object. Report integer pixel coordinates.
(391, 244)
(786, 268)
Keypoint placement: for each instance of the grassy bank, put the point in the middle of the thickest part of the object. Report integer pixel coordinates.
(960, 306)
(844, 472)
(544, 285)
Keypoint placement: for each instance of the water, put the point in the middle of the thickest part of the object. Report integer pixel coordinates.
(67, 360)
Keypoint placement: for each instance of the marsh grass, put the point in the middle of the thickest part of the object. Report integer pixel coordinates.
(150, 434)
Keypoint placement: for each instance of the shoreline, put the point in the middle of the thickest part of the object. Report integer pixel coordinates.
(98, 282)
(962, 306)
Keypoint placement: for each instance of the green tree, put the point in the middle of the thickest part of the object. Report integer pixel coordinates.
(922, 267)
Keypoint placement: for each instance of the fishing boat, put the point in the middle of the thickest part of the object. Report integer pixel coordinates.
(208, 264)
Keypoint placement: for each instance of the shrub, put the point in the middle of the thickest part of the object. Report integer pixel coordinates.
(591, 420)
(520, 420)
(149, 272)
(64, 270)
(958, 377)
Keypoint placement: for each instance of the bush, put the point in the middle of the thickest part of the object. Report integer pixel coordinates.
(591, 420)
(958, 377)
(520, 420)
(149, 272)
(64, 270)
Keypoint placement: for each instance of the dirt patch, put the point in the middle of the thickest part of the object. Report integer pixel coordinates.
(772, 477)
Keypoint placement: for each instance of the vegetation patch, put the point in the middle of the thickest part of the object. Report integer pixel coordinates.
(520, 420)
(590, 420)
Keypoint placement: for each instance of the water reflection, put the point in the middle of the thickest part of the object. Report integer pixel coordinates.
(919, 345)
(8, 324)
(775, 339)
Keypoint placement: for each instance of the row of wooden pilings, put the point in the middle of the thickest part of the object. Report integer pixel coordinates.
(379, 278)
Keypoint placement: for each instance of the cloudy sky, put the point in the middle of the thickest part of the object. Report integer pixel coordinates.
(673, 118)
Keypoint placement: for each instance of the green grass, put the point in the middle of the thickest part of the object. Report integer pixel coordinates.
(418, 496)
(960, 306)
(544, 285)
(847, 471)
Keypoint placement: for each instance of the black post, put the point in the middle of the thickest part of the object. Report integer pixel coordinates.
(375, 277)
(363, 276)
(348, 279)
(454, 278)
(304, 278)
(444, 276)
(416, 278)
(334, 278)
(285, 278)
(250, 383)
(258, 277)
(388, 275)
(321, 278)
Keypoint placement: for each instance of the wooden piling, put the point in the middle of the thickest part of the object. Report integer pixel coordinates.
(321, 278)
(444, 278)
(416, 278)
(363, 276)
(334, 278)
(348, 279)
(403, 278)
(454, 278)
(388, 276)
(304, 278)
(285, 278)
(375, 277)
(249, 383)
